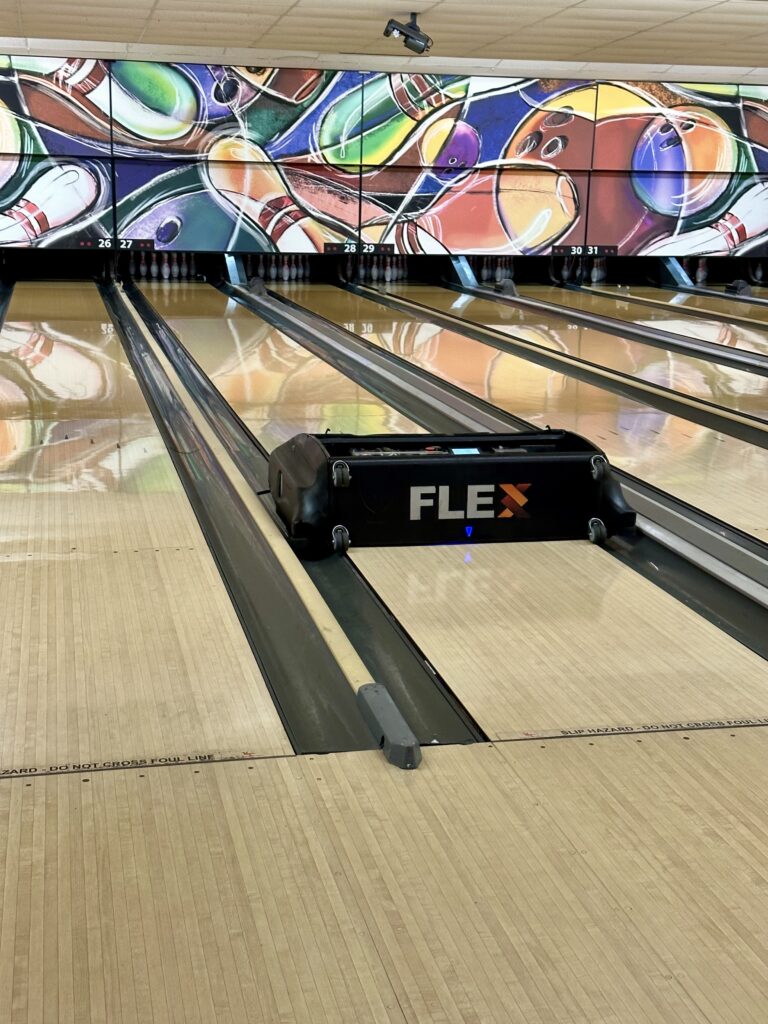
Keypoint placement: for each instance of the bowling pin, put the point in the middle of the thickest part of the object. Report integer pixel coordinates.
(362, 268)
(387, 270)
(165, 268)
(241, 173)
(498, 273)
(273, 269)
(375, 269)
(261, 266)
(143, 264)
(174, 267)
(183, 268)
(594, 274)
(759, 273)
(59, 196)
(292, 268)
(486, 271)
(701, 272)
(248, 267)
(154, 270)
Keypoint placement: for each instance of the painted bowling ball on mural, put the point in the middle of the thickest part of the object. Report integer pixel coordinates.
(683, 161)
(449, 148)
(559, 137)
(192, 222)
(536, 207)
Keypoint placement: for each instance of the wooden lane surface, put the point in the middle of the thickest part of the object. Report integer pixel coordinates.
(529, 637)
(691, 377)
(276, 387)
(551, 637)
(668, 297)
(669, 315)
(712, 471)
(589, 882)
(118, 640)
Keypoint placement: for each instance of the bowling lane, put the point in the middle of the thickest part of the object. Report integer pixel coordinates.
(276, 387)
(574, 595)
(667, 297)
(118, 640)
(669, 315)
(698, 378)
(717, 473)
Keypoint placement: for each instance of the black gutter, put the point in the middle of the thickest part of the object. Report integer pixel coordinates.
(702, 314)
(313, 698)
(428, 706)
(739, 359)
(740, 425)
(739, 552)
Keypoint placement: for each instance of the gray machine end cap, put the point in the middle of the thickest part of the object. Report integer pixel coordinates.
(507, 287)
(389, 728)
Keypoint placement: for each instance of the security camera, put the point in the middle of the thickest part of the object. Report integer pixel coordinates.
(413, 37)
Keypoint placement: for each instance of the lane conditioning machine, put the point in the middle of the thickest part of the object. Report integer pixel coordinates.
(333, 490)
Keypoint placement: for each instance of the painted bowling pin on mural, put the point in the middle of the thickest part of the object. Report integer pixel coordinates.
(243, 177)
(370, 127)
(154, 102)
(10, 144)
(747, 219)
(54, 199)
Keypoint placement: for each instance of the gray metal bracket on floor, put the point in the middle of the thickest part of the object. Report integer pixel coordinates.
(388, 727)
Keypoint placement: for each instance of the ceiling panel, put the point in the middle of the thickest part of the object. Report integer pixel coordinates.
(490, 35)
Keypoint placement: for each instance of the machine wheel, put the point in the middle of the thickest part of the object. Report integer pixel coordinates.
(340, 539)
(599, 465)
(340, 474)
(597, 532)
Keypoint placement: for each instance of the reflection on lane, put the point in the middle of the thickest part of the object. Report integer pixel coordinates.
(699, 378)
(274, 385)
(719, 474)
(669, 316)
(71, 414)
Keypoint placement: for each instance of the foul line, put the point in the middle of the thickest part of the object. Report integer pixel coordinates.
(635, 730)
(133, 763)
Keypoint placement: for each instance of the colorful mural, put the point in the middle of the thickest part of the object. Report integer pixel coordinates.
(194, 157)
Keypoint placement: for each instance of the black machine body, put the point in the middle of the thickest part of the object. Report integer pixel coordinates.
(331, 490)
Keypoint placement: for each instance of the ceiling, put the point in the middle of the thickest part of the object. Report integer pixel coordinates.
(695, 39)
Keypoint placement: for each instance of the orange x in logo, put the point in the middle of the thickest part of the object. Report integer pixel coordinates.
(513, 501)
